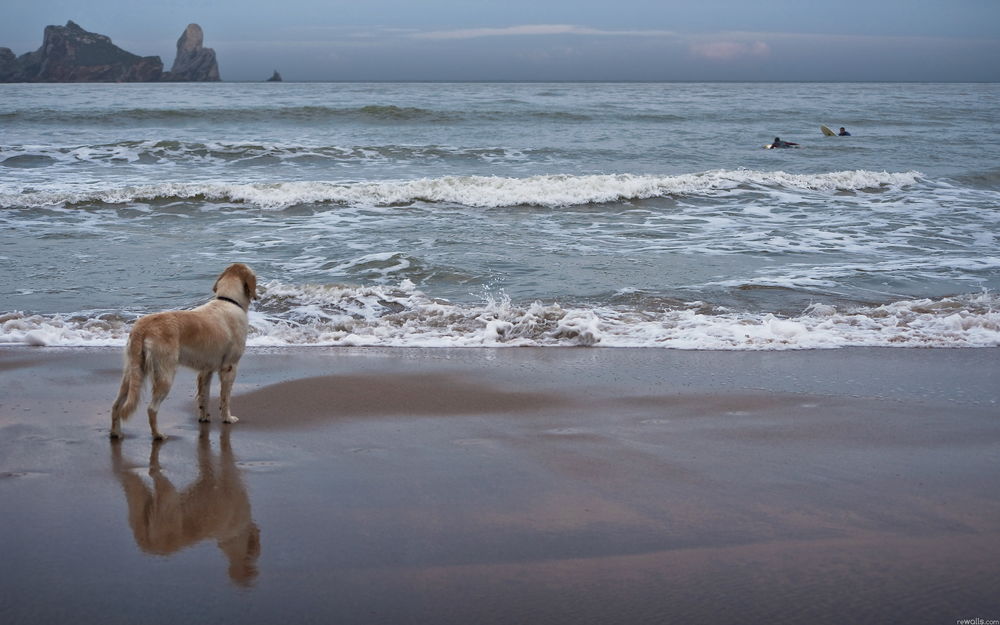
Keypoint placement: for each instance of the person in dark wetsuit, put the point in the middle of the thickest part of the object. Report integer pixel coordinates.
(843, 132)
(778, 143)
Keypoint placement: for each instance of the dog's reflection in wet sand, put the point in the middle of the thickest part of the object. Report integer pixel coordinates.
(215, 506)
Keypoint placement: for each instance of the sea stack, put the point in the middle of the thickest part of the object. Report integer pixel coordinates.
(275, 77)
(194, 62)
(71, 54)
(9, 67)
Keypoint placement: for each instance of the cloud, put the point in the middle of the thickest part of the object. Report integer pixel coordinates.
(729, 50)
(535, 30)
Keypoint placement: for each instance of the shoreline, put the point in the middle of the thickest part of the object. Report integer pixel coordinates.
(535, 485)
(968, 375)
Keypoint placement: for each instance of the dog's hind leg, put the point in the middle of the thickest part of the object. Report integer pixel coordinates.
(227, 375)
(204, 389)
(133, 376)
(116, 409)
(163, 378)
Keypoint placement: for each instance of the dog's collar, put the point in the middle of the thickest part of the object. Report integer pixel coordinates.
(231, 301)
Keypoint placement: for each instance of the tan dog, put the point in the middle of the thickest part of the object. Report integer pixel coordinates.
(207, 339)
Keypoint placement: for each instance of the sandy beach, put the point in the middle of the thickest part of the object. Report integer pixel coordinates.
(552, 485)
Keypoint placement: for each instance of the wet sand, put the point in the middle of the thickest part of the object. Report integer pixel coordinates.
(509, 486)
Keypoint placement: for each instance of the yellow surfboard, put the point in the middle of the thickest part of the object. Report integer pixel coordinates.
(827, 132)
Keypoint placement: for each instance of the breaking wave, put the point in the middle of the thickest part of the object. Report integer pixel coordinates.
(304, 114)
(265, 154)
(474, 191)
(403, 316)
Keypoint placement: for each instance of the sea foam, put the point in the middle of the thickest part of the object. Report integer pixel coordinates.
(404, 316)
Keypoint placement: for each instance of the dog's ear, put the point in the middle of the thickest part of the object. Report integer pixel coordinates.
(250, 286)
(215, 287)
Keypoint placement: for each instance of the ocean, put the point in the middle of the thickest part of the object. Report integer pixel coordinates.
(495, 214)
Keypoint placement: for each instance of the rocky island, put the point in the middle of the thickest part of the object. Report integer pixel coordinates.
(71, 54)
(194, 62)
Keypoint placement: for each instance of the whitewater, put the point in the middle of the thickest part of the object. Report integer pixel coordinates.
(506, 215)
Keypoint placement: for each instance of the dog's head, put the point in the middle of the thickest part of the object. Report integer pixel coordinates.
(242, 550)
(237, 274)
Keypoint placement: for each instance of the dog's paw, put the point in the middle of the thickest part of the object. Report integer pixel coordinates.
(204, 419)
(116, 436)
(159, 437)
(230, 419)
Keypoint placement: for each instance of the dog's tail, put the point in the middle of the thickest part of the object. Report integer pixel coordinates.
(137, 365)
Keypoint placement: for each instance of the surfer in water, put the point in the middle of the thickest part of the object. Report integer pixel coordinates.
(843, 132)
(778, 143)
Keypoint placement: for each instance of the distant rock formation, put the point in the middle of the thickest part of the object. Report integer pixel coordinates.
(275, 77)
(9, 68)
(194, 62)
(71, 54)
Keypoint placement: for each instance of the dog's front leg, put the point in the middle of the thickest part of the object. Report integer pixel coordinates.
(204, 389)
(227, 375)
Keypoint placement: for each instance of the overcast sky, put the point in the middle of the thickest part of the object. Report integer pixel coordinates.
(935, 40)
